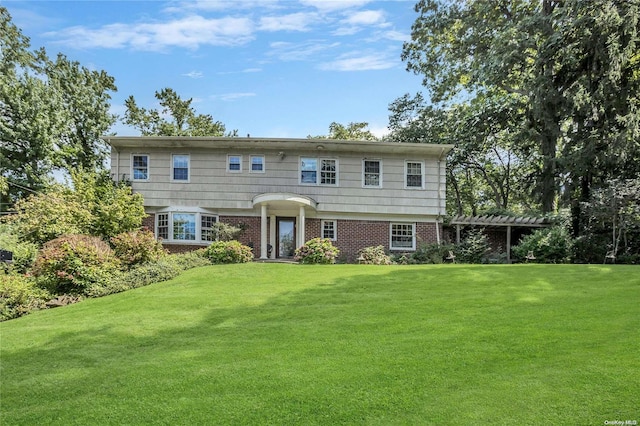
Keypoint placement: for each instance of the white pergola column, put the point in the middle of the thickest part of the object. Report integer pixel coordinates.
(301, 225)
(272, 236)
(263, 231)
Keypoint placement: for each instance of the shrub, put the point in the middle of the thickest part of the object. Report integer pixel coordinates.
(24, 252)
(228, 252)
(373, 256)
(20, 295)
(549, 245)
(317, 251)
(474, 248)
(73, 263)
(136, 247)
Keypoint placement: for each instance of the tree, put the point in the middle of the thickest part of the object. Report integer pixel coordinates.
(52, 114)
(352, 131)
(182, 119)
(570, 65)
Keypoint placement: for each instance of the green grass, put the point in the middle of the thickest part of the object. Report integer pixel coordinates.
(345, 344)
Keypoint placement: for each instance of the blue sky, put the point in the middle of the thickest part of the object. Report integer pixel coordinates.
(269, 68)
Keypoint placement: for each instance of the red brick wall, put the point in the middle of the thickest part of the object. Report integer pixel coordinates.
(250, 236)
(149, 222)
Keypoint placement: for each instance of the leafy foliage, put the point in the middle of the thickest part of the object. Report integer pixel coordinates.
(20, 295)
(228, 252)
(96, 206)
(474, 247)
(373, 256)
(136, 247)
(182, 120)
(548, 245)
(24, 252)
(72, 264)
(352, 131)
(431, 253)
(317, 251)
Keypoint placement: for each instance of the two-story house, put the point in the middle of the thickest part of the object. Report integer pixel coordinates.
(283, 192)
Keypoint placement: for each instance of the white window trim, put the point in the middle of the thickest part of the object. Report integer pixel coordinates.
(251, 157)
(335, 228)
(188, 169)
(198, 230)
(422, 177)
(363, 173)
(133, 178)
(318, 171)
(413, 240)
(229, 163)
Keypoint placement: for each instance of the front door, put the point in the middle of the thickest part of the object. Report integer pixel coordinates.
(286, 236)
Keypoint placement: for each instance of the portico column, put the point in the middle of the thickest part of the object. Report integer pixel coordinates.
(263, 231)
(272, 236)
(301, 239)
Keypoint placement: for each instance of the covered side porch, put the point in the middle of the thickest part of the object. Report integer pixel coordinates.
(282, 223)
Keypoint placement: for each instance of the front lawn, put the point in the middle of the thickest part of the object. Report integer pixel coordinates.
(344, 344)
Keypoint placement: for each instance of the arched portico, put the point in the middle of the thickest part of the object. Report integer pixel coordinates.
(281, 204)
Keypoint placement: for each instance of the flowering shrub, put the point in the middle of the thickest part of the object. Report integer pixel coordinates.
(19, 295)
(71, 264)
(317, 250)
(136, 247)
(373, 256)
(228, 252)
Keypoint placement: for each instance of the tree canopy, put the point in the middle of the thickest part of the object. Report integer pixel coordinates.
(564, 76)
(52, 113)
(176, 118)
(352, 131)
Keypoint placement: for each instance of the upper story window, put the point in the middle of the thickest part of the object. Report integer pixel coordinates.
(372, 173)
(326, 175)
(140, 167)
(403, 236)
(180, 168)
(257, 164)
(234, 163)
(414, 174)
(329, 229)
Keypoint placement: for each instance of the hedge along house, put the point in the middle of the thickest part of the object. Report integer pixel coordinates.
(283, 192)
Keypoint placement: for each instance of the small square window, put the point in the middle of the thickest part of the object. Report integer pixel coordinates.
(328, 172)
(140, 167)
(163, 226)
(403, 236)
(257, 164)
(234, 163)
(207, 227)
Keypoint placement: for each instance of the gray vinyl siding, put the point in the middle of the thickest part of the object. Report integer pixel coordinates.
(212, 186)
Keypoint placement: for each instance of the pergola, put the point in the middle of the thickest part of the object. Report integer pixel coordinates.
(504, 222)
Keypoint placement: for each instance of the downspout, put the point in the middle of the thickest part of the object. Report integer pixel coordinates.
(439, 217)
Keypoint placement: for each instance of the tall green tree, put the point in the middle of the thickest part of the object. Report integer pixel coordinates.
(52, 113)
(176, 118)
(570, 65)
(352, 131)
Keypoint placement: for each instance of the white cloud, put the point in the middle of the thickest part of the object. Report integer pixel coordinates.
(286, 51)
(217, 5)
(190, 32)
(292, 22)
(359, 62)
(356, 21)
(228, 97)
(252, 70)
(194, 74)
(333, 5)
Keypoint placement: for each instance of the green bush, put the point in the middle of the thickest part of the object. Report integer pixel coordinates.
(24, 252)
(72, 264)
(373, 256)
(317, 251)
(228, 252)
(136, 247)
(20, 295)
(549, 245)
(474, 248)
